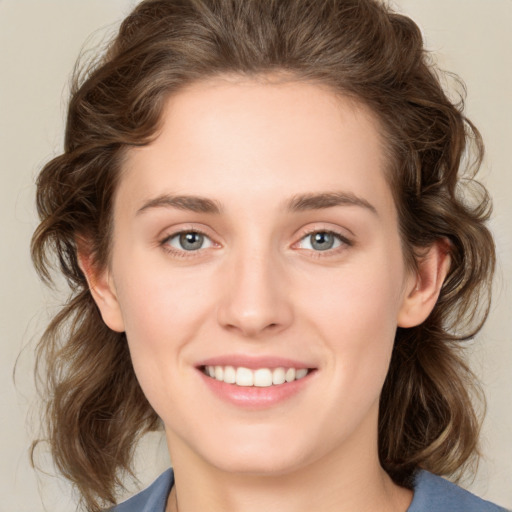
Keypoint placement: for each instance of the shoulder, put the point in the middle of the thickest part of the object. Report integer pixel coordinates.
(431, 492)
(152, 499)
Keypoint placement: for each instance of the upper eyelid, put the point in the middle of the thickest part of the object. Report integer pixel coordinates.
(164, 244)
(168, 233)
(346, 238)
(345, 243)
(178, 233)
(328, 227)
(168, 238)
(322, 230)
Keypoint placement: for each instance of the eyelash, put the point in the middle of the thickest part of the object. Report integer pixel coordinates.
(183, 253)
(344, 243)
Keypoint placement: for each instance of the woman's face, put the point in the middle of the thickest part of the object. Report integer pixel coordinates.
(257, 238)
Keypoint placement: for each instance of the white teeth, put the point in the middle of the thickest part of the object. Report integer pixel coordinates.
(229, 375)
(262, 377)
(219, 373)
(279, 376)
(244, 377)
(299, 374)
(290, 374)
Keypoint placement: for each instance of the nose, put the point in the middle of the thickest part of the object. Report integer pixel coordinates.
(254, 301)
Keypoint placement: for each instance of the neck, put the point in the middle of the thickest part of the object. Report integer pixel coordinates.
(344, 480)
(382, 495)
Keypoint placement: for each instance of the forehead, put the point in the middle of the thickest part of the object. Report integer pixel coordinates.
(246, 135)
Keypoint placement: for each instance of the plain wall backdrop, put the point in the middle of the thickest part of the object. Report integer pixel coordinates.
(39, 43)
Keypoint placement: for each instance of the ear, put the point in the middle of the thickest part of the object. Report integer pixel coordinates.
(102, 289)
(424, 285)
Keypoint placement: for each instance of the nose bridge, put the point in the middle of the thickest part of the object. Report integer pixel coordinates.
(254, 299)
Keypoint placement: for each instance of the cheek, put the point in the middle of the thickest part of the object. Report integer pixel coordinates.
(360, 297)
(356, 313)
(162, 312)
(162, 316)
(156, 300)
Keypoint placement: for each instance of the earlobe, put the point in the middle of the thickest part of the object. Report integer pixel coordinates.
(103, 292)
(425, 285)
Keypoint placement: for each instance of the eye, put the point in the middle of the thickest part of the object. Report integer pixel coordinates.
(322, 241)
(189, 241)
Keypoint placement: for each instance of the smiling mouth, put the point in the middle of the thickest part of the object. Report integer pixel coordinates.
(260, 377)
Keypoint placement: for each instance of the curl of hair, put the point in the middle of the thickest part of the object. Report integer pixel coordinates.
(95, 409)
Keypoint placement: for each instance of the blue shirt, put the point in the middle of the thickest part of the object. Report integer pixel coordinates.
(431, 494)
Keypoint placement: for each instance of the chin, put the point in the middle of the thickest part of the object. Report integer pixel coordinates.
(258, 466)
(263, 456)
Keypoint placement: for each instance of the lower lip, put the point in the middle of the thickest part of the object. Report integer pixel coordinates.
(253, 397)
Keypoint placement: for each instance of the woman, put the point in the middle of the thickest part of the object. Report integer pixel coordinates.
(259, 213)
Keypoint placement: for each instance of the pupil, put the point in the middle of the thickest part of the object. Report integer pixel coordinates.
(322, 241)
(191, 241)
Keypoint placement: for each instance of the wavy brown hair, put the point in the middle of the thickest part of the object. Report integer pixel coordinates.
(95, 410)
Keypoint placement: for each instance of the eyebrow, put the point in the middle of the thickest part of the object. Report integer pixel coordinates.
(188, 203)
(319, 201)
(298, 203)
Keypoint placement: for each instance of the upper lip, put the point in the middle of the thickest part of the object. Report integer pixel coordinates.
(254, 362)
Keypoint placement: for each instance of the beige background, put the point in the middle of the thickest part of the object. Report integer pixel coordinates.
(39, 41)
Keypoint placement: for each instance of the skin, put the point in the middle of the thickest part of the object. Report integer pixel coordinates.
(258, 287)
